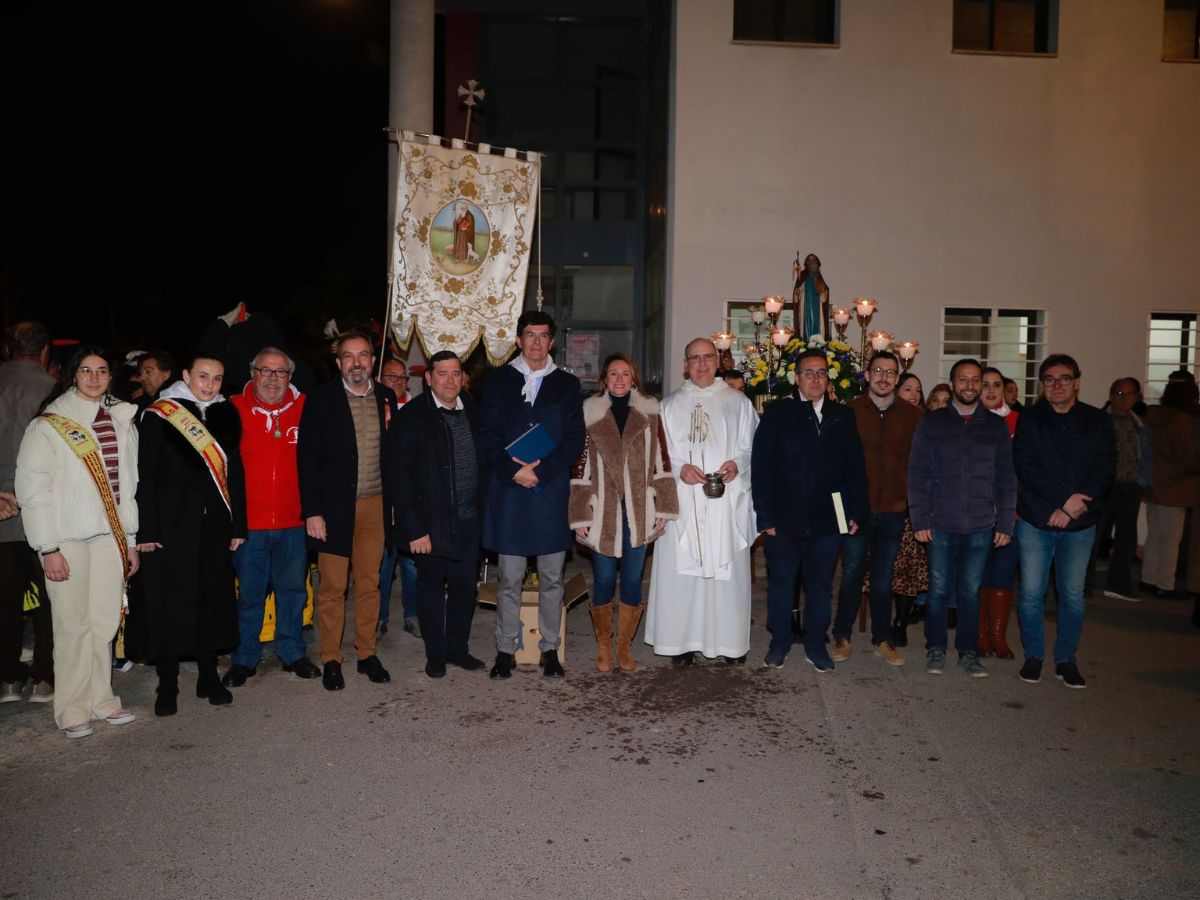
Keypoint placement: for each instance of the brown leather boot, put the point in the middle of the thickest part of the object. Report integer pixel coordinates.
(602, 620)
(1000, 608)
(627, 625)
(983, 643)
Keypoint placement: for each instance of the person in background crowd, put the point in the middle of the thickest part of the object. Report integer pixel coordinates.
(962, 494)
(1065, 453)
(885, 427)
(270, 407)
(1185, 375)
(939, 397)
(1000, 574)
(154, 369)
(910, 573)
(699, 598)
(437, 471)
(24, 384)
(342, 486)
(622, 495)
(735, 378)
(1119, 514)
(1175, 480)
(525, 512)
(395, 376)
(808, 457)
(192, 513)
(75, 482)
(1012, 394)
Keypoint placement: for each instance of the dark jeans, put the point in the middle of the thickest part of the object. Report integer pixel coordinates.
(956, 564)
(276, 558)
(879, 537)
(785, 558)
(19, 565)
(604, 572)
(408, 584)
(446, 590)
(1120, 516)
(1000, 573)
(1069, 551)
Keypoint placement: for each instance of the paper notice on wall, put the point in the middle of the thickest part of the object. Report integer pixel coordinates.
(583, 355)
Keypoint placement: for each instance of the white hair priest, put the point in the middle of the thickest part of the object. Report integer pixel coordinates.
(700, 578)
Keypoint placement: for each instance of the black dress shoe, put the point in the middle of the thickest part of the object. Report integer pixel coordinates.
(503, 666)
(465, 661)
(410, 625)
(237, 675)
(382, 628)
(165, 703)
(302, 668)
(735, 660)
(332, 676)
(215, 692)
(551, 667)
(683, 659)
(373, 669)
(436, 668)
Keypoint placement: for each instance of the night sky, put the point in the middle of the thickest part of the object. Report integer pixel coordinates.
(165, 160)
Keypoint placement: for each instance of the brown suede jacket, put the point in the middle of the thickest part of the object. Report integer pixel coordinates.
(887, 439)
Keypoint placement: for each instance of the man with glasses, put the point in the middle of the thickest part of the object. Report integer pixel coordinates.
(962, 497)
(700, 579)
(810, 491)
(395, 376)
(274, 553)
(1066, 455)
(885, 427)
(526, 502)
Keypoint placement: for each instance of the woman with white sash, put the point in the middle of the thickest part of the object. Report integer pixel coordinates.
(76, 480)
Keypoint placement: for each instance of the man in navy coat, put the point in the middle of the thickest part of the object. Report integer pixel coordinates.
(525, 510)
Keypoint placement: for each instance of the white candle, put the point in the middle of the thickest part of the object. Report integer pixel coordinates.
(908, 349)
(772, 304)
(758, 315)
(781, 336)
(864, 306)
(841, 317)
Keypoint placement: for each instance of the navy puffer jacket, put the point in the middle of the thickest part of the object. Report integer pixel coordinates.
(960, 473)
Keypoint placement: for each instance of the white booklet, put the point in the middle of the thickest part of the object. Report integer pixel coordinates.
(840, 511)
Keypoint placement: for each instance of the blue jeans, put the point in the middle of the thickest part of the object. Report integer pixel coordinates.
(956, 564)
(786, 557)
(275, 557)
(604, 572)
(880, 535)
(408, 584)
(1070, 552)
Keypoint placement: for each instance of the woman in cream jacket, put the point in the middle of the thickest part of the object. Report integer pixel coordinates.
(67, 524)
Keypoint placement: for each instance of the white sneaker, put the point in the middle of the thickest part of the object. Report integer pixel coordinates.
(10, 691)
(1116, 595)
(120, 717)
(82, 730)
(43, 692)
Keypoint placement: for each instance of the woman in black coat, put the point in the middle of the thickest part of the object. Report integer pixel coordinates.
(184, 602)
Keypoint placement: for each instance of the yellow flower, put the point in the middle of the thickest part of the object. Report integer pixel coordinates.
(793, 344)
(844, 383)
(757, 379)
(791, 367)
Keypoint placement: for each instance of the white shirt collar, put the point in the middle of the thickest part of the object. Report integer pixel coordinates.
(458, 404)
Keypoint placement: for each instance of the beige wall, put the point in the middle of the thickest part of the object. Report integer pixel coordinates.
(926, 178)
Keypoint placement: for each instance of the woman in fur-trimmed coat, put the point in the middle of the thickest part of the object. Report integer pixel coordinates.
(622, 493)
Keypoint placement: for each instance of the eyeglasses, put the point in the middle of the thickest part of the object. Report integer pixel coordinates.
(1060, 381)
(814, 374)
(889, 374)
(707, 357)
(394, 378)
(273, 373)
(99, 372)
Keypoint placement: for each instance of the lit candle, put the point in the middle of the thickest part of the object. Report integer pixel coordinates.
(780, 336)
(772, 304)
(722, 340)
(758, 315)
(864, 306)
(841, 317)
(880, 340)
(908, 349)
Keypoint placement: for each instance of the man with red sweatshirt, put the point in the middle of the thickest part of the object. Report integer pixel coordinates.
(274, 552)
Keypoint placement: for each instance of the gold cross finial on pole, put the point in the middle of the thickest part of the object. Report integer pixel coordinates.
(471, 93)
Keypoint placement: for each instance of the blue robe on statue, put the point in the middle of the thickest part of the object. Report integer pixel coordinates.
(812, 309)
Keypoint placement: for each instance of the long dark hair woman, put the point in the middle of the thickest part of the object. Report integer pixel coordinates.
(622, 493)
(76, 481)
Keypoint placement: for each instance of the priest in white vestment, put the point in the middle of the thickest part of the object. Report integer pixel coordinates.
(700, 578)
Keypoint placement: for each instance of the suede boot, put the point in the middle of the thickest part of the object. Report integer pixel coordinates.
(165, 700)
(627, 625)
(208, 684)
(900, 623)
(602, 622)
(983, 643)
(1001, 607)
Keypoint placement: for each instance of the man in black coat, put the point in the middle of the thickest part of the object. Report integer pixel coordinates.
(342, 482)
(807, 457)
(434, 457)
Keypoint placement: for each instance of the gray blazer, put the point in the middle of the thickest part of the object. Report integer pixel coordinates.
(23, 387)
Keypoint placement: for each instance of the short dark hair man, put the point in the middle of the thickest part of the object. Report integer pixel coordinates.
(435, 456)
(342, 483)
(807, 455)
(1066, 454)
(885, 427)
(525, 513)
(24, 384)
(395, 376)
(962, 494)
(154, 370)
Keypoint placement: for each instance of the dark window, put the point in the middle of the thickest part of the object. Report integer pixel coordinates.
(1181, 29)
(786, 21)
(1006, 26)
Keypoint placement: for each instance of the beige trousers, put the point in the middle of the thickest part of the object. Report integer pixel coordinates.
(366, 555)
(85, 610)
(1164, 530)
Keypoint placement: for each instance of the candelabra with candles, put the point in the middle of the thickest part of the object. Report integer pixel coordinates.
(841, 319)
(723, 340)
(907, 351)
(768, 314)
(864, 310)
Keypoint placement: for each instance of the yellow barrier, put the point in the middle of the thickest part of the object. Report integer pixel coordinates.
(268, 629)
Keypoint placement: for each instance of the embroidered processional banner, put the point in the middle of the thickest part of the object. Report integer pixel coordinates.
(460, 251)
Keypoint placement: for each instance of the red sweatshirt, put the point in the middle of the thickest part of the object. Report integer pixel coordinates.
(272, 485)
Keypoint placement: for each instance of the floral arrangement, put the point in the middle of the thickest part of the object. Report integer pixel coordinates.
(846, 374)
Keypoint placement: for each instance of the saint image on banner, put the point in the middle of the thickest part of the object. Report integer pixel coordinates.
(459, 238)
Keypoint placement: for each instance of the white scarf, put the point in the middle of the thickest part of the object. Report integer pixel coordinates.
(533, 380)
(180, 391)
(272, 416)
(1002, 410)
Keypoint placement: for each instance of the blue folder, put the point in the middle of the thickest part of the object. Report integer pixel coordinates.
(535, 443)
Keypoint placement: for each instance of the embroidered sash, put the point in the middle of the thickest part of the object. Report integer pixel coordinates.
(84, 446)
(186, 423)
